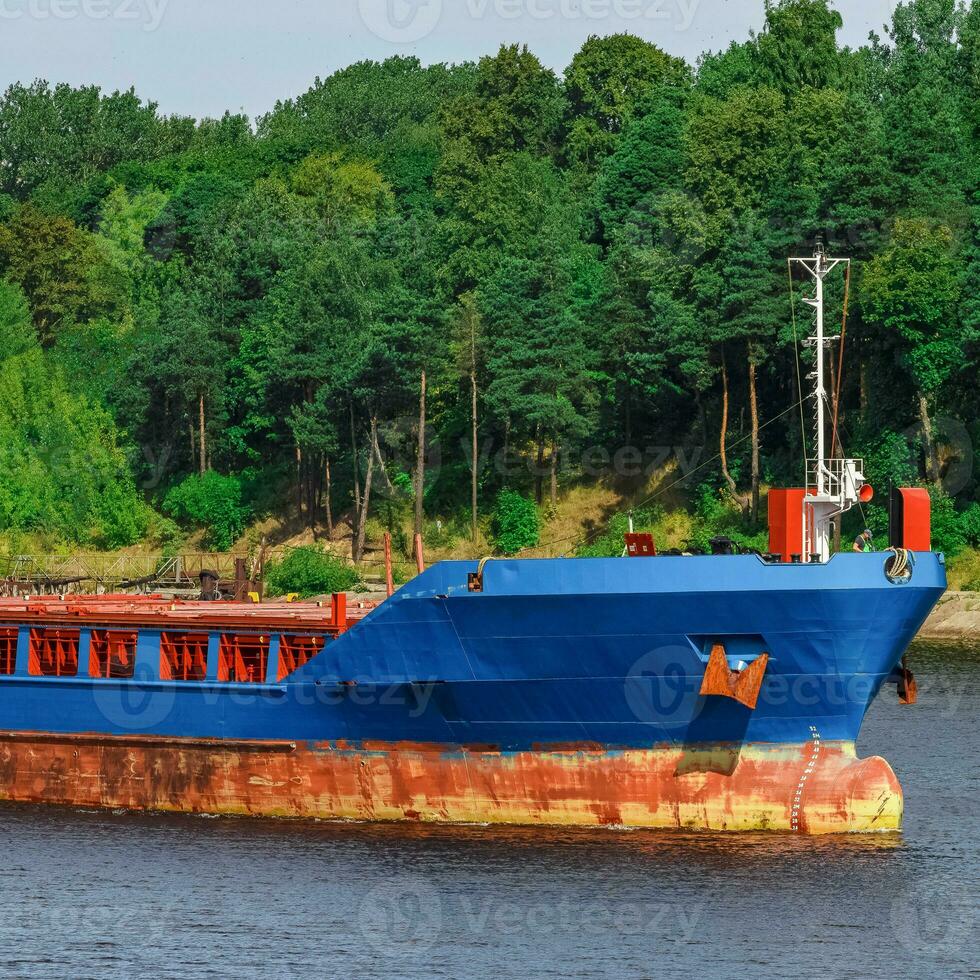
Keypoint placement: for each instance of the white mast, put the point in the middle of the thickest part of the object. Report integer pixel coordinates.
(833, 485)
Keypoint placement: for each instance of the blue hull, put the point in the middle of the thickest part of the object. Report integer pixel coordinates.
(609, 652)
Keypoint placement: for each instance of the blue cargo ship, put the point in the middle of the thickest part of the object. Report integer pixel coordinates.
(721, 692)
(566, 691)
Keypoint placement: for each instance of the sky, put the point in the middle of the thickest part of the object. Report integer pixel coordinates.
(202, 57)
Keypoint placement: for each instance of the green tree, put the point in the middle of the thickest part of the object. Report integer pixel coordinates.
(192, 361)
(515, 107)
(921, 106)
(124, 224)
(63, 471)
(53, 139)
(738, 156)
(736, 149)
(64, 271)
(17, 334)
(797, 49)
(212, 502)
(342, 189)
(648, 161)
(516, 104)
(910, 293)
(539, 359)
(608, 79)
(720, 73)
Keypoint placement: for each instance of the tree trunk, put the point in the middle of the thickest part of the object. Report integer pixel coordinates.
(475, 465)
(201, 439)
(628, 407)
(702, 418)
(299, 480)
(327, 500)
(554, 474)
(376, 449)
(420, 461)
(929, 444)
(313, 493)
(754, 411)
(358, 550)
(723, 449)
(834, 407)
(863, 375)
(356, 470)
(539, 470)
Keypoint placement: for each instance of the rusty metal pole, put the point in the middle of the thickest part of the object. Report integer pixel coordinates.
(241, 579)
(419, 557)
(389, 580)
(338, 610)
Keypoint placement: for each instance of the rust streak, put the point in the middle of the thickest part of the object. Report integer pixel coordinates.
(714, 788)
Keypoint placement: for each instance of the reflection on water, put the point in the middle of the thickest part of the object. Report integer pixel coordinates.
(102, 895)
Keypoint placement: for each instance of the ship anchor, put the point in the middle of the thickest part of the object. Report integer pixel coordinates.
(742, 686)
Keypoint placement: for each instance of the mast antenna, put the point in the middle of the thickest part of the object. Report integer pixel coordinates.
(833, 485)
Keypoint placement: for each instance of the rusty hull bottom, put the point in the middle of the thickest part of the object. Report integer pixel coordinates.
(813, 788)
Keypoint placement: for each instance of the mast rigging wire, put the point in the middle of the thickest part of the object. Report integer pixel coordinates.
(602, 527)
(796, 350)
(835, 436)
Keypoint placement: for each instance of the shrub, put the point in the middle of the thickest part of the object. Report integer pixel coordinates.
(716, 515)
(446, 532)
(374, 530)
(612, 541)
(514, 524)
(164, 533)
(310, 570)
(710, 509)
(212, 502)
(265, 488)
(121, 517)
(947, 526)
(970, 522)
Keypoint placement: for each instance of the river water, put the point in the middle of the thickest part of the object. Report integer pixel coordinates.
(98, 895)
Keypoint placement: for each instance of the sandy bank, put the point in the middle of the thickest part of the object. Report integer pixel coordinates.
(957, 615)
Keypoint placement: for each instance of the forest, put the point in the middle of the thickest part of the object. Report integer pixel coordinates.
(439, 298)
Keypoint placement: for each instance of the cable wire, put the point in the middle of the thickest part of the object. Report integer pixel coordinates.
(834, 439)
(799, 371)
(603, 527)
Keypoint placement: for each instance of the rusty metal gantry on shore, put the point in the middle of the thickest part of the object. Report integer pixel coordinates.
(100, 573)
